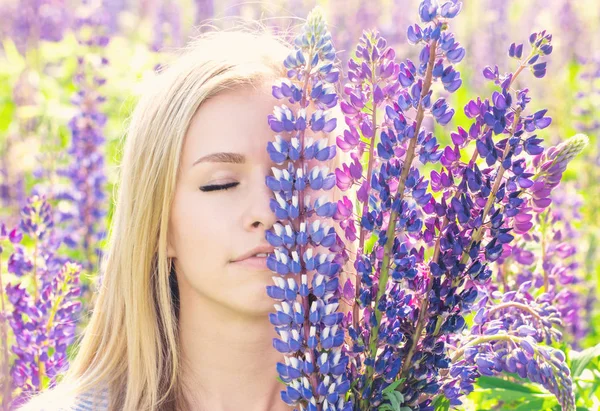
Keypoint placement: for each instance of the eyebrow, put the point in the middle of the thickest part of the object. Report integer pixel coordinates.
(233, 158)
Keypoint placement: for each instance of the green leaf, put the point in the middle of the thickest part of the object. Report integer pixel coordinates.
(537, 404)
(395, 398)
(441, 403)
(495, 382)
(393, 386)
(580, 360)
(513, 394)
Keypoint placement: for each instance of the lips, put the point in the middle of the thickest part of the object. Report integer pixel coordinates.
(261, 249)
(254, 263)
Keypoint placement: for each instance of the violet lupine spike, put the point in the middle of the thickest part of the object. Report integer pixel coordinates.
(550, 166)
(35, 20)
(586, 108)
(575, 297)
(87, 171)
(43, 321)
(167, 26)
(374, 83)
(554, 237)
(547, 258)
(306, 318)
(507, 337)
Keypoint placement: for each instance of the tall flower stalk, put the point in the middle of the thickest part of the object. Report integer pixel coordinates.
(43, 303)
(86, 171)
(306, 317)
(548, 258)
(406, 340)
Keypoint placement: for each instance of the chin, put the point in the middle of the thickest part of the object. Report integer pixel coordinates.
(256, 303)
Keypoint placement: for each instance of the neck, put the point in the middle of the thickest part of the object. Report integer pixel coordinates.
(229, 362)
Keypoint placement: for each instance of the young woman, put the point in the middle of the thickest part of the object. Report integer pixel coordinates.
(180, 323)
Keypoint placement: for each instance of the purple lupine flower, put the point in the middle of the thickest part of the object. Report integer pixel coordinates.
(549, 167)
(306, 318)
(44, 328)
(43, 320)
(481, 194)
(205, 9)
(85, 224)
(167, 26)
(35, 20)
(589, 90)
(507, 336)
(553, 245)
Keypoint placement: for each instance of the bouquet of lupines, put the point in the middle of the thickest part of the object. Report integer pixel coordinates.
(424, 246)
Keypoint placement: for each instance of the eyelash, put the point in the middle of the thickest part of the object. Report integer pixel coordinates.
(215, 187)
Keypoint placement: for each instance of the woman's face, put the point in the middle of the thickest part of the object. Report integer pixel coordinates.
(210, 229)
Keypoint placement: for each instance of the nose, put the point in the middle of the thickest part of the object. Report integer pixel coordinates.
(258, 212)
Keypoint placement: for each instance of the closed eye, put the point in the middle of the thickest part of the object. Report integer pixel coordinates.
(218, 187)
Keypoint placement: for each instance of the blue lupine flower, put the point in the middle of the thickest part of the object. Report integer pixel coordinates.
(306, 318)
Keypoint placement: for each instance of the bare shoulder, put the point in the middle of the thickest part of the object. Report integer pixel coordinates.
(49, 401)
(59, 400)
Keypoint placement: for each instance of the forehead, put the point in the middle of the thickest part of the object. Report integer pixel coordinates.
(235, 121)
(231, 121)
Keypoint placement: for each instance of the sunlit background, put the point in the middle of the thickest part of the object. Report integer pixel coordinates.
(70, 74)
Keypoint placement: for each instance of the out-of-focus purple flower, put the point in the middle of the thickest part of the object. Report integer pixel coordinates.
(44, 327)
(114, 8)
(44, 315)
(167, 26)
(205, 9)
(35, 20)
(85, 226)
(553, 246)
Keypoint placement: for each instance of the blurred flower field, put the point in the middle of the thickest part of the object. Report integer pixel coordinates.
(70, 74)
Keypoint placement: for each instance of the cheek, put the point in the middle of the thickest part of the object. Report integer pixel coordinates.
(199, 226)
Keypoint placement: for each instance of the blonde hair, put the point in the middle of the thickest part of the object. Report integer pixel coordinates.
(131, 342)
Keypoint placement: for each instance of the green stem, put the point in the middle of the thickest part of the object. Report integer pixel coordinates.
(515, 305)
(482, 339)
